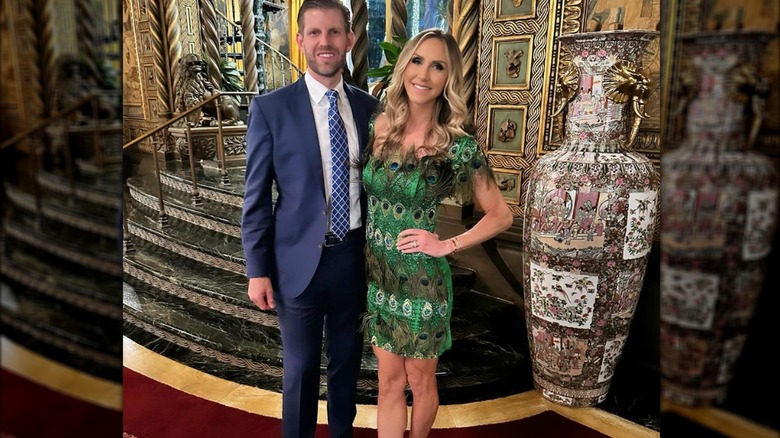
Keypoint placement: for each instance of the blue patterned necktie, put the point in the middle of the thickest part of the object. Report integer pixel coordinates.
(340, 168)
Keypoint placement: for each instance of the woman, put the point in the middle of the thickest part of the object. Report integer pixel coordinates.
(419, 154)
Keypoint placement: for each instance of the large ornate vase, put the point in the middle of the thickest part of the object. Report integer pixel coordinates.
(590, 218)
(719, 214)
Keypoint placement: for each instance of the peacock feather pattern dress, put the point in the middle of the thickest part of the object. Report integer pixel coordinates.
(409, 301)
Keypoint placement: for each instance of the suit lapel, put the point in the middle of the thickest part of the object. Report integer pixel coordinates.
(306, 131)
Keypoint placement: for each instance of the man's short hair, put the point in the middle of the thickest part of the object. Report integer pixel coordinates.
(324, 5)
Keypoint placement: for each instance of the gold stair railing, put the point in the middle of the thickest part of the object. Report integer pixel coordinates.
(276, 57)
(35, 161)
(196, 199)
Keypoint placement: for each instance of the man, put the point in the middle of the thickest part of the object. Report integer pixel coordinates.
(304, 257)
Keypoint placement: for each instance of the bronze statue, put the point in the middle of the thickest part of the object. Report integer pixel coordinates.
(194, 87)
(75, 83)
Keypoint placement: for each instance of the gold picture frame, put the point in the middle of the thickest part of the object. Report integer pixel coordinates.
(506, 129)
(511, 66)
(515, 9)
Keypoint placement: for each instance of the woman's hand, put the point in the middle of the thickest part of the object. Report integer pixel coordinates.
(417, 240)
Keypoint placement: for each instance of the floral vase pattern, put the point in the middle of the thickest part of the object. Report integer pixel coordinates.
(590, 218)
(719, 202)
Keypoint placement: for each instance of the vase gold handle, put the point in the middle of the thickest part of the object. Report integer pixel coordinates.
(623, 83)
(745, 83)
(566, 86)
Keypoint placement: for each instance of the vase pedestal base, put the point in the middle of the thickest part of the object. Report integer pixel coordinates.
(576, 398)
(692, 396)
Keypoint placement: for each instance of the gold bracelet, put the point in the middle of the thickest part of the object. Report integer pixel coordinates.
(456, 243)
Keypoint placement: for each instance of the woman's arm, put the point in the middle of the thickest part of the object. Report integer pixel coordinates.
(497, 218)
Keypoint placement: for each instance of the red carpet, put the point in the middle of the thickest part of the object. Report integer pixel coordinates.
(30, 410)
(155, 410)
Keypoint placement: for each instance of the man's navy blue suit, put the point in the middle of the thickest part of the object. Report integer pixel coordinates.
(312, 282)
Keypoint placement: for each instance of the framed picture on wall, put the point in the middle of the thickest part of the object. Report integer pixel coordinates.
(509, 184)
(511, 67)
(515, 9)
(506, 129)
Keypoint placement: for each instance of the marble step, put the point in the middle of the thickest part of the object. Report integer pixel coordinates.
(212, 216)
(186, 239)
(56, 207)
(76, 285)
(475, 367)
(88, 250)
(210, 186)
(235, 337)
(202, 285)
(105, 190)
(82, 340)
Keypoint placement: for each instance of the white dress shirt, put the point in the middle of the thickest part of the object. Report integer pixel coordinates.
(320, 105)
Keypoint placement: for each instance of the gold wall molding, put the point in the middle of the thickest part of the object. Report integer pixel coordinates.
(296, 56)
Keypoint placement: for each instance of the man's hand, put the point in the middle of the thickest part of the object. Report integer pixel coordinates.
(261, 292)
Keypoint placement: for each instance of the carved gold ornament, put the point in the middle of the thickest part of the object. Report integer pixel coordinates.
(507, 130)
(566, 86)
(622, 83)
(745, 83)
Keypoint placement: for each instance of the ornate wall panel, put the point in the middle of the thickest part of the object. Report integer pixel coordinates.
(515, 69)
(139, 84)
(518, 66)
(190, 26)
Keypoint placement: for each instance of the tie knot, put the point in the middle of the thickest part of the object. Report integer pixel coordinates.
(333, 96)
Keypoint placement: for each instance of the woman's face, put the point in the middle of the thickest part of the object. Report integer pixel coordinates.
(427, 72)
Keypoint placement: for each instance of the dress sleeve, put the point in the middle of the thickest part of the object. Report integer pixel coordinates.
(468, 160)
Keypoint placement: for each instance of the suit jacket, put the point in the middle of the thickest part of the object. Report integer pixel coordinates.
(284, 243)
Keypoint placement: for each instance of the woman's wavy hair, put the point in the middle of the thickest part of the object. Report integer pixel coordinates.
(451, 111)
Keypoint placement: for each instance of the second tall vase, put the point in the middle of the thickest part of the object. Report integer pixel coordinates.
(590, 217)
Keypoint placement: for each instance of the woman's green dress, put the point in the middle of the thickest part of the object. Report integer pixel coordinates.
(410, 295)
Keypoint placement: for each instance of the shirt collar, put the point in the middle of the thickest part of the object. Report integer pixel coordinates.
(317, 90)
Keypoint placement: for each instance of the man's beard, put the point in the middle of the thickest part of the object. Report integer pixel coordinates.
(325, 70)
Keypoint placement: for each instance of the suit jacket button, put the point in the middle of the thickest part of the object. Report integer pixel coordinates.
(319, 246)
(324, 211)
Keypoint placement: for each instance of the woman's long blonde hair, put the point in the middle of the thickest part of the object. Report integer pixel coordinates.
(451, 111)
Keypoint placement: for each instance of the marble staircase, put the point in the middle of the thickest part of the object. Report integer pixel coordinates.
(185, 297)
(60, 257)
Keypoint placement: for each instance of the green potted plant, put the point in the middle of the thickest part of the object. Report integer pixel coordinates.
(391, 50)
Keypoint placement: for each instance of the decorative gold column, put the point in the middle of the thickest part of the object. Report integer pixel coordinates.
(249, 45)
(397, 19)
(464, 27)
(174, 42)
(31, 74)
(86, 35)
(295, 54)
(210, 38)
(160, 55)
(360, 49)
(48, 55)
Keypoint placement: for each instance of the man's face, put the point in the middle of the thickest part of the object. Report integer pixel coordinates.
(325, 42)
